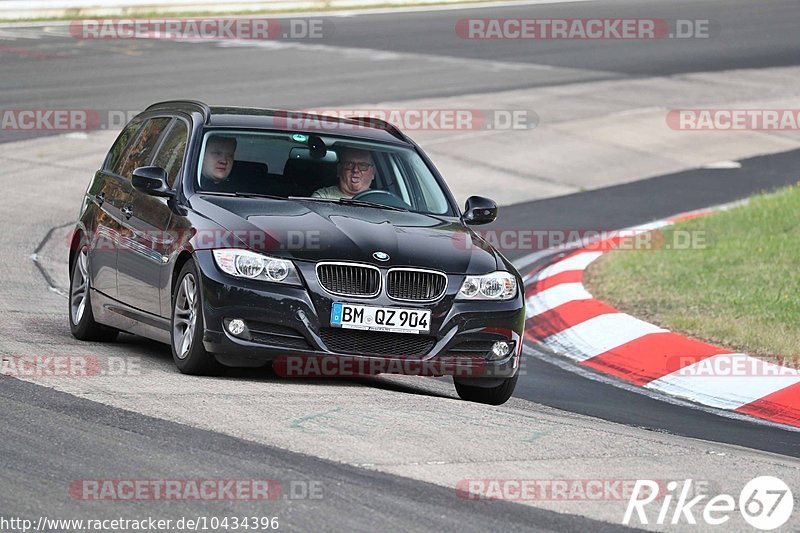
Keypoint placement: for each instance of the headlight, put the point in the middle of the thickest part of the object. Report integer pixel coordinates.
(494, 286)
(251, 265)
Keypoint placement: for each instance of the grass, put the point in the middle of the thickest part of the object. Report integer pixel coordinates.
(739, 289)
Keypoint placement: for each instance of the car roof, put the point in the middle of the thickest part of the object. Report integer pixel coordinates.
(286, 120)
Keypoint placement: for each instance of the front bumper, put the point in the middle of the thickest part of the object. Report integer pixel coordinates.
(294, 322)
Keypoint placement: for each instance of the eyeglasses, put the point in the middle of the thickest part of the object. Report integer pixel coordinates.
(360, 165)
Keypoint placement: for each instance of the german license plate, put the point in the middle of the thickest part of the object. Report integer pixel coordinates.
(380, 318)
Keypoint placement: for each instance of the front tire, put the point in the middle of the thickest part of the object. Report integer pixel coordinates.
(492, 395)
(82, 324)
(187, 327)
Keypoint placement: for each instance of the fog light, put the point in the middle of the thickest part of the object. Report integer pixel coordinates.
(236, 326)
(500, 349)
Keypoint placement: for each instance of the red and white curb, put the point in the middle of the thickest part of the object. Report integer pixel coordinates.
(564, 318)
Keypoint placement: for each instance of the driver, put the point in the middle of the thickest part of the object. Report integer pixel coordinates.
(356, 170)
(218, 163)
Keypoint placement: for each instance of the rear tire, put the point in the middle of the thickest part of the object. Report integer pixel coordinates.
(492, 396)
(187, 327)
(82, 324)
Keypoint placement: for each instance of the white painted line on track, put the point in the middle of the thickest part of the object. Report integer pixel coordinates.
(722, 165)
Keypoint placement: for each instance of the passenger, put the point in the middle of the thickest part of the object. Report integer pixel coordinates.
(356, 170)
(217, 163)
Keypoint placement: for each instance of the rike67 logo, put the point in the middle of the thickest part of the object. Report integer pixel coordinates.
(765, 503)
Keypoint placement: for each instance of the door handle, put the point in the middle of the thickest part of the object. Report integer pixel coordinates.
(100, 198)
(127, 211)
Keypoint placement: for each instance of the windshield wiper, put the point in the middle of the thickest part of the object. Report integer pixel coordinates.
(243, 195)
(312, 198)
(259, 195)
(350, 201)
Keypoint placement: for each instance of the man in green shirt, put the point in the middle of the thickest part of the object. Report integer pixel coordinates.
(356, 170)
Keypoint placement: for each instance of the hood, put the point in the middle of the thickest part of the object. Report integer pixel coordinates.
(308, 230)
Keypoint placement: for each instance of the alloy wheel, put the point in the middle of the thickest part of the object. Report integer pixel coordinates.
(80, 286)
(184, 316)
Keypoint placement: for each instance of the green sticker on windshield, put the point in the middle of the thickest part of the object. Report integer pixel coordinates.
(299, 137)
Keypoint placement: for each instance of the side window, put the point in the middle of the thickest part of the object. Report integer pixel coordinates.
(139, 152)
(433, 198)
(170, 155)
(121, 142)
(402, 186)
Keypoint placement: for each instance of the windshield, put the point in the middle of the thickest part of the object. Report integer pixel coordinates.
(323, 168)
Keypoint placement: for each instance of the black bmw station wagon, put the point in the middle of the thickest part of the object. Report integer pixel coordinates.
(243, 237)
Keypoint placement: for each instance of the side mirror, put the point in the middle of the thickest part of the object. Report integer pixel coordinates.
(152, 181)
(479, 210)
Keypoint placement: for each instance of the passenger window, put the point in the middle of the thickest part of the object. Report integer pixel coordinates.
(170, 155)
(433, 199)
(121, 142)
(401, 182)
(139, 152)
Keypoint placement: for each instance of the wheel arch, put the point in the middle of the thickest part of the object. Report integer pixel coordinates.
(75, 239)
(184, 257)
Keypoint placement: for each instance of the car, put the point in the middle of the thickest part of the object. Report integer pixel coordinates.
(255, 268)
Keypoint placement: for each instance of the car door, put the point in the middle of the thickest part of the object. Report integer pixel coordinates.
(109, 192)
(151, 218)
(138, 260)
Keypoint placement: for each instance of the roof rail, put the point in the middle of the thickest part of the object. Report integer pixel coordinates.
(380, 124)
(202, 107)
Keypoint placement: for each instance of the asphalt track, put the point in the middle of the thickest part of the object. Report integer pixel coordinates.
(39, 456)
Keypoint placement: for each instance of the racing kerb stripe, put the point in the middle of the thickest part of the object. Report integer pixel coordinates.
(564, 318)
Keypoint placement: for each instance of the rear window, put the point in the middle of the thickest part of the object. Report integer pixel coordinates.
(170, 154)
(122, 141)
(139, 152)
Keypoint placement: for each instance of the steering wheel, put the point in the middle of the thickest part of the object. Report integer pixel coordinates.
(382, 197)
